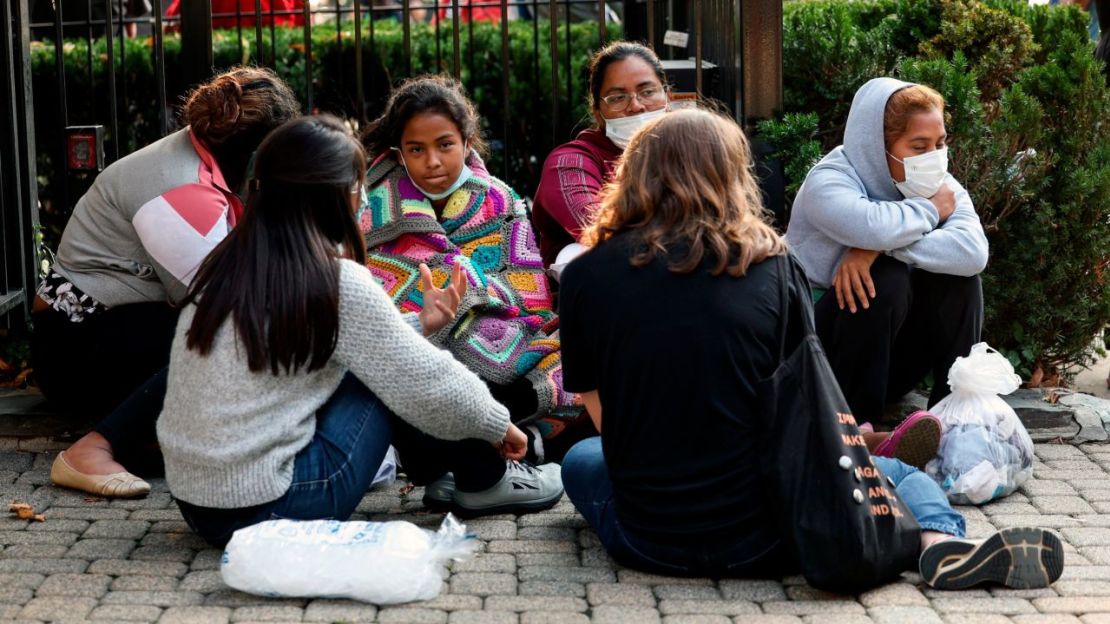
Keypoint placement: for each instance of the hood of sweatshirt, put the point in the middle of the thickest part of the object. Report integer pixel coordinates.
(863, 137)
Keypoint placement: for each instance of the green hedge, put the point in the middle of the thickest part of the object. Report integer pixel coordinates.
(1016, 78)
(530, 132)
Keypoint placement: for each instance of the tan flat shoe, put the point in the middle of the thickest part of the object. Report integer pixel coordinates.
(118, 485)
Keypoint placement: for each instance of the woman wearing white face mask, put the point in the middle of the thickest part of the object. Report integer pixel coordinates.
(627, 89)
(893, 247)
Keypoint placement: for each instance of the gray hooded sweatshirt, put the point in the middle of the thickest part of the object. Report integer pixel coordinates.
(849, 200)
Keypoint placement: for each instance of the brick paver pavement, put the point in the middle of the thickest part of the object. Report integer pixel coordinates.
(135, 561)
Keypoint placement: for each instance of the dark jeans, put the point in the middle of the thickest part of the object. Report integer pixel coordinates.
(918, 322)
(476, 464)
(89, 368)
(586, 479)
(330, 475)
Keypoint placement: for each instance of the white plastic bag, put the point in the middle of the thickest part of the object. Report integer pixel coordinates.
(985, 451)
(378, 562)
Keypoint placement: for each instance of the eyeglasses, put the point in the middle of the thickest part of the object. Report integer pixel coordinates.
(649, 97)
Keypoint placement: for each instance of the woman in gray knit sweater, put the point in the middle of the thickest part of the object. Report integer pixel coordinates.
(290, 363)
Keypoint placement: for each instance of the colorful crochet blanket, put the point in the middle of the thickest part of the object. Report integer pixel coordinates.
(506, 328)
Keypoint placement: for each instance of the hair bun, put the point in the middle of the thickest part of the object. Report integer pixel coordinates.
(213, 110)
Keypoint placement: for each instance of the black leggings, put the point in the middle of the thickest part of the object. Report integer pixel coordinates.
(918, 322)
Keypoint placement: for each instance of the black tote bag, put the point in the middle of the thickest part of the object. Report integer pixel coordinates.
(839, 515)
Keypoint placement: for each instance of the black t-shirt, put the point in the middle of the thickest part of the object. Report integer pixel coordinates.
(676, 360)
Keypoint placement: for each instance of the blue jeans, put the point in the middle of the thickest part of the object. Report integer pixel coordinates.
(586, 479)
(330, 475)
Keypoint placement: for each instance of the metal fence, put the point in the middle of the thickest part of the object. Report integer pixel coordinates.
(108, 74)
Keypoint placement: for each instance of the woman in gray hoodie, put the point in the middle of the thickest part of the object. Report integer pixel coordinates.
(893, 248)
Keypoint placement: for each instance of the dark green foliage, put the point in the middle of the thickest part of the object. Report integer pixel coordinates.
(1028, 115)
(794, 139)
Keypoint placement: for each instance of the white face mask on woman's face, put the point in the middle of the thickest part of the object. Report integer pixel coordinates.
(924, 173)
(621, 129)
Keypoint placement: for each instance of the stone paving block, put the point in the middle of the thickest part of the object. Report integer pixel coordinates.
(59, 525)
(1003, 606)
(643, 578)
(977, 618)
(1089, 572)
(1072, 604)
(486, 562)
(207, 560)
(1028, 594)
(171, 526)
(548, 559)
(34, 551)
(188, 540)
(57, 608)
(768, 619)
(568, 574)
(233, 599)
(1082, 588)
(328, 610)
(203, 581)
(1009, 508)
(546, 533)
(163, 553)
(1097, 555)
(708, 607)
(689, 592)
(1095, 536)
(696, 619)
(980, 528)
(392, 615)
(903, 615)
(11, 612)
(588, 539)
(492, 529)
(154, 500)
(894, 595)
(156, 598)
(750, 589)
(37, 537)
(146, 583)
(154, 515)
(118, 529)
(552, 588)
(1046, 618)
(1049, 521)
(600, 594)
(86, 585)
(195, 615)
(567, 521)
(548, 617)
(91, 514)
(26, 581)
(43, 566)
(1095, 618)
(447, 602)
(121, 567)
(483, 583)
(837, 618)
(126, 613)
(812, 607)
(624, 615)
(90, 549)
(16, 462)
(805, 592)
(1059, 451)
(535, 603)
(15, 595)
(1035, 488)
(1096, 495)
(483, 617)
(598, 558)
(267, 614)
(532, 546)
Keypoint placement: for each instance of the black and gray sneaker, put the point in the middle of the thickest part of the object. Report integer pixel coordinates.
(524, 488)
(1021, 558)
(439, 495)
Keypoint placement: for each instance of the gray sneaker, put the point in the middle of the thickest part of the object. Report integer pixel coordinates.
(523, 489)
(439, 495)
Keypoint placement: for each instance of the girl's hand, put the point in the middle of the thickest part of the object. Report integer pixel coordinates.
(440, 304)
(514, 445)
(853, 279)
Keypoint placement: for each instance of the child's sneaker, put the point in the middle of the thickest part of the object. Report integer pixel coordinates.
(439, 495)
(524, 488)
(1020, 558)
(915, 441)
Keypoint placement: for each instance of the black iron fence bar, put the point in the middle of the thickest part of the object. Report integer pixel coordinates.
(89, 55)
(113, 94)
(63, 109)
(505, 94)
(435, 25)
(160, 70)
(697, 48)
(651, 23)
(407, 36)
(307, 56)
(570, 73)
(457, 62)
(601, 26)
(360, 92)
(260, 52)
(553, 18)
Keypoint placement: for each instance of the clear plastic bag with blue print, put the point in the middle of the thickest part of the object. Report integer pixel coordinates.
(985, 452)
(376, 562)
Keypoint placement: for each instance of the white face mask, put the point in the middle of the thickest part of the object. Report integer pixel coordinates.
(464, 174)
(924, 173)
(621, 129)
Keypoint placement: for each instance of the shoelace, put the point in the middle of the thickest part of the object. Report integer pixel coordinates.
(524, 466)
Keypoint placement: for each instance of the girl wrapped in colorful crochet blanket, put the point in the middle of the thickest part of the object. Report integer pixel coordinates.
(431, 201)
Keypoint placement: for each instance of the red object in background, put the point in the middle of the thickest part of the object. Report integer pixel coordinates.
(467, 13)
(247, 8)
(85, 148)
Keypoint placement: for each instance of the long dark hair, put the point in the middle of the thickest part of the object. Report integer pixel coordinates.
(234, 111)
(276, 275)
(424, 94)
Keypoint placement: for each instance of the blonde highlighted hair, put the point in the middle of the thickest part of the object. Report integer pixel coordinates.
(686, 189)
(906, 103)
